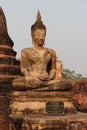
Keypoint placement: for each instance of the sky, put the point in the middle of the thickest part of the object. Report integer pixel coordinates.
(66, 24)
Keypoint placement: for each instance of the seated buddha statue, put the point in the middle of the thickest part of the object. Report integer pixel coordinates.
(38, 63)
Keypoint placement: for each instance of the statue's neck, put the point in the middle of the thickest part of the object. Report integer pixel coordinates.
(38, 47)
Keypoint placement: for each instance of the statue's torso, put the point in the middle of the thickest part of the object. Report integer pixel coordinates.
(38, 61)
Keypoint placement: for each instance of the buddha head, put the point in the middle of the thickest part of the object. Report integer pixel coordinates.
(38, 31)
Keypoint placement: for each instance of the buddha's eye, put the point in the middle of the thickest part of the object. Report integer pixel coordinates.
(43, 34)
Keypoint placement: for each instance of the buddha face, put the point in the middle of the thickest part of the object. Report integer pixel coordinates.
(39, 37)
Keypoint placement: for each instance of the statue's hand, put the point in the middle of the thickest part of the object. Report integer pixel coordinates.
(43, 77)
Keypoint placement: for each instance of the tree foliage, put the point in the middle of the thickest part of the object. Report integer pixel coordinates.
(67, 74)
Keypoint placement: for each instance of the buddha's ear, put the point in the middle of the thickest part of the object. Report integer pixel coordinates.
(32, 35)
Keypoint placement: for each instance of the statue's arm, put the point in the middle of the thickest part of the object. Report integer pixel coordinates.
(53, 65)
(24, 63)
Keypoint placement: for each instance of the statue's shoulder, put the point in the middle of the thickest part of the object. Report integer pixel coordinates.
(26, 50)
(51, 51)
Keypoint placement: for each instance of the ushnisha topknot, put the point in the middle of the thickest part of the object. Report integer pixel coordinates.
(38, 24)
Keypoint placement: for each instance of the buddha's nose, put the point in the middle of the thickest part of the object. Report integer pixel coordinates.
(41, 38)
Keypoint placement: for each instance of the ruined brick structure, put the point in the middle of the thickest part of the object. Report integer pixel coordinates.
(9, 68)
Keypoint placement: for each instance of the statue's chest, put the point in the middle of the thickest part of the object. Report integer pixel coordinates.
(36, 56)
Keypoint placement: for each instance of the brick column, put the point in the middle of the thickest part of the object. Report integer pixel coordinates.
(4, 112)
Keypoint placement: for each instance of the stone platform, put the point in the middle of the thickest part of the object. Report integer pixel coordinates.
(28, 112)
(67, 122)
(35, 103)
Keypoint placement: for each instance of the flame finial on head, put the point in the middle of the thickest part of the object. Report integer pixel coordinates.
(38, 15)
